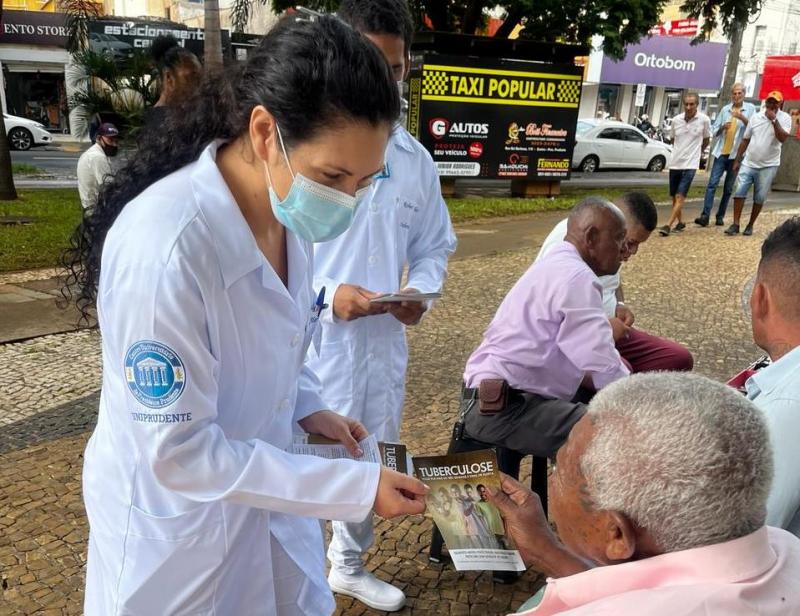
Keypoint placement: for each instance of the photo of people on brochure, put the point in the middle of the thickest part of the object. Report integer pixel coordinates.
(471, 526)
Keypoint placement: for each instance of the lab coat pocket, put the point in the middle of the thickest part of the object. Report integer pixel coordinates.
(172, 563)
(335, 370)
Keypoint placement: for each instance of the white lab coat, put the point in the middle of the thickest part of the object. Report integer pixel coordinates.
(189, 490)
(403, 221)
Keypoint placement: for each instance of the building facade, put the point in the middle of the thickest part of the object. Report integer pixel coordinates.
(33, 58)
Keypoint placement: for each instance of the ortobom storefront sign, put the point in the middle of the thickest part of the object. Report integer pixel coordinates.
(670, 62)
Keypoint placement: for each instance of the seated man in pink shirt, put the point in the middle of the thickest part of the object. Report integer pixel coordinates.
(549, 337)
(643, 351)
(659, 497)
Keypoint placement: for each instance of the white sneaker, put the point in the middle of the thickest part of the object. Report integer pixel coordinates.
(368, 589)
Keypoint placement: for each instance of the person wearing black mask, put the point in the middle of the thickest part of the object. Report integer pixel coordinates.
(94, 165)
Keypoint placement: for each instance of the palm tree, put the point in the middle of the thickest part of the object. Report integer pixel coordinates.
(212, 53)
(7, 189)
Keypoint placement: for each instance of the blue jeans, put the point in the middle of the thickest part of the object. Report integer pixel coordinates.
(760, 178)
(722, 164)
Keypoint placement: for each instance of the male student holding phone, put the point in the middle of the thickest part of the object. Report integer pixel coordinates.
(361, 361)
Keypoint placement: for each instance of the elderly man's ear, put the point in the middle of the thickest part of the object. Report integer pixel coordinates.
(620, 537)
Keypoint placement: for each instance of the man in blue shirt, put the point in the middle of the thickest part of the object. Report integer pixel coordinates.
(775, 305)
(727, 130)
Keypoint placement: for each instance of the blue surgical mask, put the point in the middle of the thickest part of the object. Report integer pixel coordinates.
(311, 210)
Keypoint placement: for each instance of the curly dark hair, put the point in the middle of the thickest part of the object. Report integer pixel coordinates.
(167, 53)
(310, 75)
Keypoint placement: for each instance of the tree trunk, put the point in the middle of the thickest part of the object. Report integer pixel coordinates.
(507, 27)
(732, 65)
(213, 36)
(7, 189)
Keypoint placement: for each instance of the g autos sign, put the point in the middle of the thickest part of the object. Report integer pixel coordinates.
(121, 38)
(671, 62)
(495, 118)
(33, 28)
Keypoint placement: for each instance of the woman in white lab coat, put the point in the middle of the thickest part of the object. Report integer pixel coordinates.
(205, 307)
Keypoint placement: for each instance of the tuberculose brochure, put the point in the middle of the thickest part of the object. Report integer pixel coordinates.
(471, 526)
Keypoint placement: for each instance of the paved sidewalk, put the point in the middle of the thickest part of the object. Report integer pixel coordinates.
(688, 287)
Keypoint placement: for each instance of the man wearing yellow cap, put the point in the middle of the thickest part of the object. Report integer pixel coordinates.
(758, 158)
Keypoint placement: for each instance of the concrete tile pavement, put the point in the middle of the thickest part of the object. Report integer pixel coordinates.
(688, 287)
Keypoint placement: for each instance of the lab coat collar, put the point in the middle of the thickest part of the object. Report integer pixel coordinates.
(297, 260)
(237, 250)
(402, 138)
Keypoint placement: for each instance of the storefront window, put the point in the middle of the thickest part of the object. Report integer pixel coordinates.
(38, 96)
(674, 103)
(607, 101)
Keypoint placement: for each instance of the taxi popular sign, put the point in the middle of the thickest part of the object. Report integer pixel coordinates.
(495, 118)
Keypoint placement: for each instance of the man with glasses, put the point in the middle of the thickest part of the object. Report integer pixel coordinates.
(728, 130)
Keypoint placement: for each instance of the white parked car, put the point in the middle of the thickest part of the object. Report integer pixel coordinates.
(608, 144)
(23, 133)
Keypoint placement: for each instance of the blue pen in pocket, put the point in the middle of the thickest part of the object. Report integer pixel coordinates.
(318, 306)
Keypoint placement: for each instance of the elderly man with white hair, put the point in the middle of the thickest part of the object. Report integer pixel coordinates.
(659, 497)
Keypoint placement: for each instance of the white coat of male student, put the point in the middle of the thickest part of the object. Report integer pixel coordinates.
(363, 355)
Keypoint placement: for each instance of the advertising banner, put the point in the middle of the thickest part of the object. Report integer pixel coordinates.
(676, 27)
(120, 38)
(671, 62)
(494, 118)
(33, 28)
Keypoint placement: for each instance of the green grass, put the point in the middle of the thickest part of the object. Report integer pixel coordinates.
(56, 212)
(26, 169)
(471, 208)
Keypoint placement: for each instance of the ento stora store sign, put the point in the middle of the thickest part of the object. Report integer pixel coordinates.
(33, 28)
(670, 62)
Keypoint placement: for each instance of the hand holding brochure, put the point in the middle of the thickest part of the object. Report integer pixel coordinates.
(316, 445)
(471, 526)
(388, 298)
(391, 455)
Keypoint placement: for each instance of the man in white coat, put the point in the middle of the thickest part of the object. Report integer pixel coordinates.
(362, 357)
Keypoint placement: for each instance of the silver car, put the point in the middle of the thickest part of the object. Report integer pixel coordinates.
(609, 144)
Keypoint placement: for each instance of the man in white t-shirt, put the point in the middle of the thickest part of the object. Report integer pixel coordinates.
(691, 133)
(761, 149)
(643, 352)
(94, 165)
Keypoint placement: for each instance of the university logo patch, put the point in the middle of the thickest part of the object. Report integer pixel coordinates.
(154, 373)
